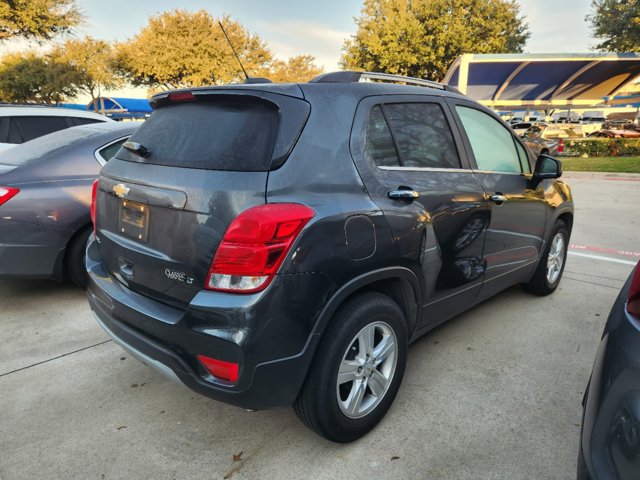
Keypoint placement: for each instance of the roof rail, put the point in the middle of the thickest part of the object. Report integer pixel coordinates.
(350, 76)
(11, 104)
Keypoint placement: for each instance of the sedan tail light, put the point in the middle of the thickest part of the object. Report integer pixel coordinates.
(254, 246)
(7, 193)
(560, 146)
(633, 301)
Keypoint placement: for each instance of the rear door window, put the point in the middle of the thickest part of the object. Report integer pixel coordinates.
(380, 146)
(4, 129)
(411, 135)
(83, 121)
(13, 134)
(236, 134)
(34, 127)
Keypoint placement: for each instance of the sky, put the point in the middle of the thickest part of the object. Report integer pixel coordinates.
(319, 27)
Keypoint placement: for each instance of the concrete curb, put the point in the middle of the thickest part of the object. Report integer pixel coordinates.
(602, 175)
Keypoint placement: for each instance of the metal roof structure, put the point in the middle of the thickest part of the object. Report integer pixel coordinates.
(118, 107)
(542, 81)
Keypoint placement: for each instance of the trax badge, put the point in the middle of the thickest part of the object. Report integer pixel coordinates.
(179, 276)
(121, 190)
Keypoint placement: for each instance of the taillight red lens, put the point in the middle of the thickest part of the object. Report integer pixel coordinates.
(254, 246)
(560, 146)
(220, 369)
(182, 97)
(7, 193)
(633, 301)
(94, 192)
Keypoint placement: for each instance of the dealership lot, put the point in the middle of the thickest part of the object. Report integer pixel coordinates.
(494, 393)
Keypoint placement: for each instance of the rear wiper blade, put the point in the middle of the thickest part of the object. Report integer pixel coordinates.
(137, 149)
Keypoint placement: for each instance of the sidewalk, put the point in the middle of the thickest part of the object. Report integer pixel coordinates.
(602, 175)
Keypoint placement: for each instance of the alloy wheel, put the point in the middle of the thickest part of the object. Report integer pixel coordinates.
(367, 369)
(555, 259)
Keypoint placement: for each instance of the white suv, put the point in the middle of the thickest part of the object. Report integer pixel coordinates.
(21, 123)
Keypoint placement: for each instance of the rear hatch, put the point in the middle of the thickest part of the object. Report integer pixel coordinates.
(160, 217)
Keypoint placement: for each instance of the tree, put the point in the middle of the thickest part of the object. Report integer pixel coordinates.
(617, 24)
(185, 49)
(296, 69)
(32, 78)
(421, 38)
(37, 19)
(94, 61)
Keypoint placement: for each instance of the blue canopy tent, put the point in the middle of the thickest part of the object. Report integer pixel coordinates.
(121, 108)
(72, 106)
(543, 81)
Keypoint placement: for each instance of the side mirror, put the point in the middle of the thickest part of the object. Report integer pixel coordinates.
(546, 167)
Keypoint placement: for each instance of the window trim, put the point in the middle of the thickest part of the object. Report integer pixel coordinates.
(96, 152)
(521, 160)
(427, 169)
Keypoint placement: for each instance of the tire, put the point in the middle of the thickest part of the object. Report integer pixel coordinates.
(74, 265)
(582, 471)
(543, 283)
(333, 411)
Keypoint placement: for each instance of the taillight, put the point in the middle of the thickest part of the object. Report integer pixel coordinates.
(94, 191)
(560, 146)
(254, 246)
(633, 301)
(7, 193)
(182, 97)
(220, 369)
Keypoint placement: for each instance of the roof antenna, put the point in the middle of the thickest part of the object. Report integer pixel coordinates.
(248, 79)
(233, 50)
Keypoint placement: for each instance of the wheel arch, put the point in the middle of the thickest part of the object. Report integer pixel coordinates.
(399, 283)
(567, 218)
(79, 231)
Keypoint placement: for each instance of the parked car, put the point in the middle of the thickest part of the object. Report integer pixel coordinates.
(277, 244)
(21, 123)
(610, 435)
(554, 131)
(521, 127)
(45, 195)
(611, 133)
(542, 146)
(534, 138)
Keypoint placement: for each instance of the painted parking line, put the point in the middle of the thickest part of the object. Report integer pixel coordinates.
(615, 251)
(601, 257)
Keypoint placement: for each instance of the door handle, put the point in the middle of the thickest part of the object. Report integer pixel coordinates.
(498, 198)
(403, 194)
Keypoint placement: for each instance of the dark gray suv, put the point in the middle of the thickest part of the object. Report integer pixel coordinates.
(282, 244)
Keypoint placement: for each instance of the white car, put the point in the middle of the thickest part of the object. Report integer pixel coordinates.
(21, 123)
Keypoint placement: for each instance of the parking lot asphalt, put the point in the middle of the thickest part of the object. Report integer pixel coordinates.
(494, 393)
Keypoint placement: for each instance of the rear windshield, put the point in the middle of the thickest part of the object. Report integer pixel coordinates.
(41, 146)
(229, 134)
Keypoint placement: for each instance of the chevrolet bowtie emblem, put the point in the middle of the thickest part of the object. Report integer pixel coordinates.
(121, 190)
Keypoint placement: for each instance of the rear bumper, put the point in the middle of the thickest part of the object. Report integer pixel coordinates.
(31, 251)
(257, 331)
(610, 439)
